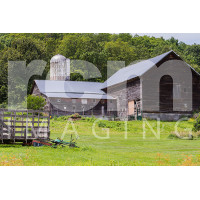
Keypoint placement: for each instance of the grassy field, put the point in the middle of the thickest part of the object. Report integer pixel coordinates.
(115, 150)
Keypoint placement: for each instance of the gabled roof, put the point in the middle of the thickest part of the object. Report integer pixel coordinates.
(78, 95)
(72, 89)
(134, 70)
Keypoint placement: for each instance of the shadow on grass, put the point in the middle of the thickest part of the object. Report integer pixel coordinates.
(11, 145)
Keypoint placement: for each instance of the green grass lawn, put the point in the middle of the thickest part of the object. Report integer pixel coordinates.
(115, 150)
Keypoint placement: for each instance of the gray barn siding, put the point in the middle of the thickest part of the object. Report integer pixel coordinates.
(125, 93)
(91, 108)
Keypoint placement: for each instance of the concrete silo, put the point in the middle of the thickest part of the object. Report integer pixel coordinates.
(59, 68)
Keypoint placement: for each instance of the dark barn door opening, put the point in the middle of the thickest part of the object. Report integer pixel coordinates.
(166, 94)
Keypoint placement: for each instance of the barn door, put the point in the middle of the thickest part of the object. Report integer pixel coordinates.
(131, 108)
(166, 94)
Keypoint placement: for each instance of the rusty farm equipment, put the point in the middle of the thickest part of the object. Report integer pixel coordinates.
(55, 143)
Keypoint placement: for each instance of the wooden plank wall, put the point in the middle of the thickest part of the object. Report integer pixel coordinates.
(24, 125)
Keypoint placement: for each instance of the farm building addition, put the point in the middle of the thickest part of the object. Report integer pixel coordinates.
(162, 87)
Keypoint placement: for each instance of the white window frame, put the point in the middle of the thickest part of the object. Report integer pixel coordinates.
(84, 101)
(73, 100)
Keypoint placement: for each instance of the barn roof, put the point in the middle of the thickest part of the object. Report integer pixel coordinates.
(78, 95)
(135, 70)
(72, 89)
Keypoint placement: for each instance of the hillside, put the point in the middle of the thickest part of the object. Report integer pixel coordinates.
(94, 48)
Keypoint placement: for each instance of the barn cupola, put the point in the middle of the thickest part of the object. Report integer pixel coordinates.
(59, 68)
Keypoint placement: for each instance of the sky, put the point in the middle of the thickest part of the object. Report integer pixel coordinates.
(188, 38)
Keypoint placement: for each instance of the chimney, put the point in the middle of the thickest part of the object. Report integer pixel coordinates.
(67, 69)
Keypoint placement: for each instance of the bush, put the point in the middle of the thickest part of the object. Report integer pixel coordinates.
(172, 136)
(35, 102)
(89, 119)
(75, 116)
(117, 125)
(3, 105)
(66, 117)
(102, 124)
(60, 118)
(196, 126)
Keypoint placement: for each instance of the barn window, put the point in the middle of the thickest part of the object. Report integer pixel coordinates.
(73, 100)
(94, 100)
(65, 107)
(58, 100)
(111, 101)
(84, 101)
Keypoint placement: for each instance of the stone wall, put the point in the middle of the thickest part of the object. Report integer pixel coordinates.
(166, 116)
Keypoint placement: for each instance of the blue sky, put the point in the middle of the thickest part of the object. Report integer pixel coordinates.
(188, 38)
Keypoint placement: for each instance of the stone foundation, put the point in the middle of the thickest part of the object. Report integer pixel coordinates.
(166, 116)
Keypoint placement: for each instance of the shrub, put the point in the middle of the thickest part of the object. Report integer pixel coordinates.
(195, 115)
(117, 125)
(196, 126)
(3, 105)
(102, 124)
(35, 102)
(60, 118)
(66, 117)
(172, 136)
(75, 115)
(89, 119)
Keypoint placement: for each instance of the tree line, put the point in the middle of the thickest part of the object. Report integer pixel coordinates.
(94, 48)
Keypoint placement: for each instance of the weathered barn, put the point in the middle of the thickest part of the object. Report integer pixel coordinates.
(162, 87)
(68, 97)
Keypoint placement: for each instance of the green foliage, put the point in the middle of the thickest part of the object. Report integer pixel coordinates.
(89, 119)
(172, 136)
(117, 125)
(75, 116)
(196, 126)
(3, 105)
(94, 48)
(35, 102)
(63, 118)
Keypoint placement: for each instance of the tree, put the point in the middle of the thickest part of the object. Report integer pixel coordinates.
(35, 102)
(121, 51)
(95, 48)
